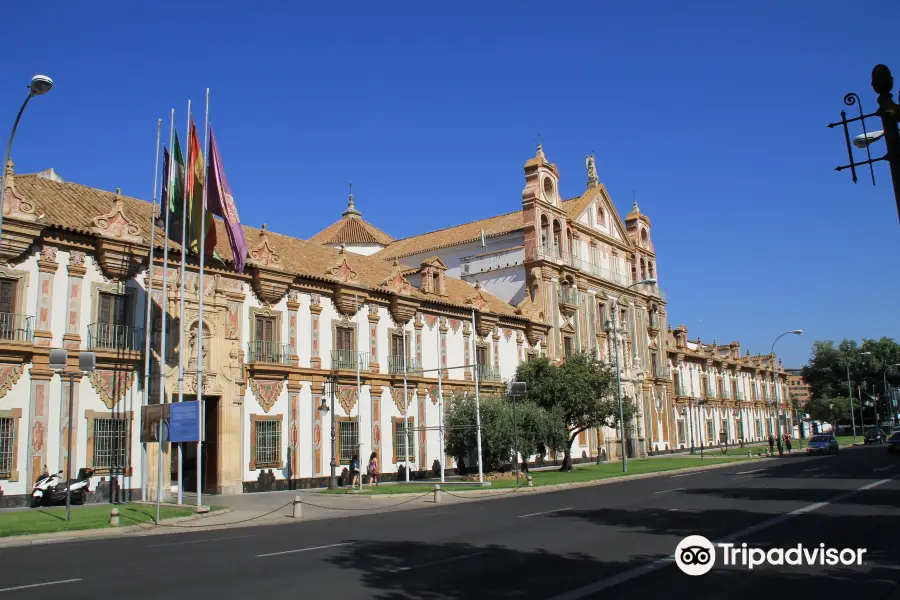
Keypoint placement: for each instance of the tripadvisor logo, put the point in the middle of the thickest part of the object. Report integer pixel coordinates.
(696, 555)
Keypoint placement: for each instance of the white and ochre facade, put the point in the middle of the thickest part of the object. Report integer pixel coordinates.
(303, 320)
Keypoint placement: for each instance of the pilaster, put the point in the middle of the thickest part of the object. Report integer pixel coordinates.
(77, 271)
(47, 266)
(442, 330)
(315, 311)
(293, 307)
(373, 342)
(467, 349)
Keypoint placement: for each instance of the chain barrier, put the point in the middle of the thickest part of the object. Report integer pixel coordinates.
(488, 494)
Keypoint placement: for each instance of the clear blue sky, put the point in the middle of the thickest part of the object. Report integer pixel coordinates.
(713, 113)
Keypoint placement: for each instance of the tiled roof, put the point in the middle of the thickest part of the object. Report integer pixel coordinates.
(74, 207)
(453, 236)
(352, 229)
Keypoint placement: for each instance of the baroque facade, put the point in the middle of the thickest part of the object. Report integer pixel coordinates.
(330, 323)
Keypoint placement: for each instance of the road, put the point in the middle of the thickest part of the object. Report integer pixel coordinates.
(610, 541)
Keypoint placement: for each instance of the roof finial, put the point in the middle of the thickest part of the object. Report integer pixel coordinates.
(351, 207)
(263, 230)
(634, 207)
(592, 179)
(540, 148)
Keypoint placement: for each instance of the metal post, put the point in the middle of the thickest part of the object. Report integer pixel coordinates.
(199, 380)
(615, 308)
(164, 309)
(443, 454)
(69, 445)
(159, 467)
(777, 410)
(184, 220)
(6, 156)
(883, 83)
(477, 399)
(516, 438)
(358, 394)
(850, 396)
(862, 421)
(691, 422)
(405, 413)
(331, 480)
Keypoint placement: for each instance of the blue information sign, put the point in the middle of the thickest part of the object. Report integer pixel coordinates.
(184, 420)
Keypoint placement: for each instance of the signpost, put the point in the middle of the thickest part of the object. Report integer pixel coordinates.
(184, 422)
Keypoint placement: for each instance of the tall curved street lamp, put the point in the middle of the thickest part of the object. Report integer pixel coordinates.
(40, 85)
(850, 395)
(615, 311)
(775, 386)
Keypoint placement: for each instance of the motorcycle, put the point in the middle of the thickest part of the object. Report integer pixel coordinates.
(51, 489)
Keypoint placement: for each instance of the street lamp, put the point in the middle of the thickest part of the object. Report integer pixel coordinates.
(40, 85)
(615, 311)
(850, 395)
(890, 399)
(775, 385)
(58, 362)
(323, 410)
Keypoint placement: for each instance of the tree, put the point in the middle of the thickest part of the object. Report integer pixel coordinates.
(582, 391)
(826, 371)
(461, 433)
(829, 410)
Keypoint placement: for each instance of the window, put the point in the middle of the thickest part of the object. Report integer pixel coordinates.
(267, 452)
(343, 338)
(682, 434)
(601, 314)
(711, 436)
(568, 345)
(7, 309)
(601, 217)
(399, 441)
(654, 363)
(111, 321)
(397, 346)
(264, 346)
(265, 329)
(481, 355)
(111, 445)
(347, 440)
(7, 446)
(436, 283)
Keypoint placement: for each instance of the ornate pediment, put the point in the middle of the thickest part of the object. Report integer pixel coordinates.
(478, 300)
(342, 271)
(396, 282)
(267, 391)
(263, 253)
(117, 225)
(111, 385)
(16, 206)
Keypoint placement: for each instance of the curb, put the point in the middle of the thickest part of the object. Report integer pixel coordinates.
(58, 537)
(556, 486)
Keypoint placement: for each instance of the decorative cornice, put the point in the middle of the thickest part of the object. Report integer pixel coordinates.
(117, 225)
(264, 254)
(111, 385)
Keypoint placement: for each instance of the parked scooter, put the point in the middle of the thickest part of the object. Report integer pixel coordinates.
(51, 488)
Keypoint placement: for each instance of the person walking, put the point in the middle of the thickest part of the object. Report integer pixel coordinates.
(771, 445)
(787, 442)
(373, 469)
(354, 470)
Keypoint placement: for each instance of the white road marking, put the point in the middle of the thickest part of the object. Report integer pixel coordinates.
(303, 550)
(748, 472)
(814, 469)
(605, 584)
(437, 562)
(885, 468)
(546, 512)
(35, 585)
(234, 537)
(686, 474)
(672, 490)
(745, 477)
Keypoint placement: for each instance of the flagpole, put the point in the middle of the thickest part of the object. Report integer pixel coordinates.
(405, 412)
(358, 394)
(202, 412)
(442, 455)
(145, 482)
(165, 286)
(184, 219)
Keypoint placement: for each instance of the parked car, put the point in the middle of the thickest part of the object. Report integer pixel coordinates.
(894, 442)
(822, 444)
(895, 429)
(874, 436)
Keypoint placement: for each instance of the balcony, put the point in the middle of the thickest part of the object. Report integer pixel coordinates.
(488, 373)
(739, 395)
(710, 393)
(116, 338)
(16, 328)
(680, 390)
(660, 371)
(395, 365)
(349, 360)
(269, 352)
(548, 253)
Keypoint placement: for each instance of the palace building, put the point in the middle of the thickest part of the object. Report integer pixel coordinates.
(313, 338)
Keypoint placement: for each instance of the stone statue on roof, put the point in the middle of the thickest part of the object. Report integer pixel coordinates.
(591, 165)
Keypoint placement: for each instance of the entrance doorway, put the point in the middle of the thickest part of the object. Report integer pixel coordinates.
(210, 447)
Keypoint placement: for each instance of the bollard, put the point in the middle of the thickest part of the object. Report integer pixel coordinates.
(749, 454)
(114, 517)
(298, 507)
(437, 493)
(530, 481)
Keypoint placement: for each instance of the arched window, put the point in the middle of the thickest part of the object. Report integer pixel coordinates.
(601, 216)
(545, 232)
(557, 236)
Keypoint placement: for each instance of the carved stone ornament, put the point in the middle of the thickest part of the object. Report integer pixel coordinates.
(116, 224)
(267, 391)
(111, 385)
(9, 375)
(14, 205)
(263, 254)
(293, 296)
(396, 282)
(347, 396)
(478, 300)
(431, 320)
(399, 400)
(342, 271)
(433, 394)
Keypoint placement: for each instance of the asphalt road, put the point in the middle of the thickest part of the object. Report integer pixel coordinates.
(610, 541)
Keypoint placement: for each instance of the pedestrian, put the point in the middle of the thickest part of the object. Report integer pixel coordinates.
(373, 469)
(771, 444)
(354, 470)
(787, 442)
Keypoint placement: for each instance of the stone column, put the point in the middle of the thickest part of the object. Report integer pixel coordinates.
(520, 351)
(315, 310)
(318, 433)
(376, 423)
(373, 343)
(43, 334)
(76, 269)
(293, 306)
(37, 423)
(496, 351)
(418, 324)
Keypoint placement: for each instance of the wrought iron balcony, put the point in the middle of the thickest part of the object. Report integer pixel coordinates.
(16, 328)
(488, 373)
(710, 393)
(395, 365)
(120, 338)
(269, 352)
(739, 395)
(349, 360)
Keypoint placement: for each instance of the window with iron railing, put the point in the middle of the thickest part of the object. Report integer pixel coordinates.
(347, 440)
(13, 327)
(7, 446)
(262, 351)
(268, 443)
(409, 440)
(112, 330)
(350, 361)
(682, 431)
(111, 445)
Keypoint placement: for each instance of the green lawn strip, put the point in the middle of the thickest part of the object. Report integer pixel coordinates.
(542, 478)
(50, 520)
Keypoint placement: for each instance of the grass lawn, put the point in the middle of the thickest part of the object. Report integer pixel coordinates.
(48, 520)
(582, 473)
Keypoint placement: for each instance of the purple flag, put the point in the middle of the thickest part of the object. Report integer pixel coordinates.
(220, 202)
